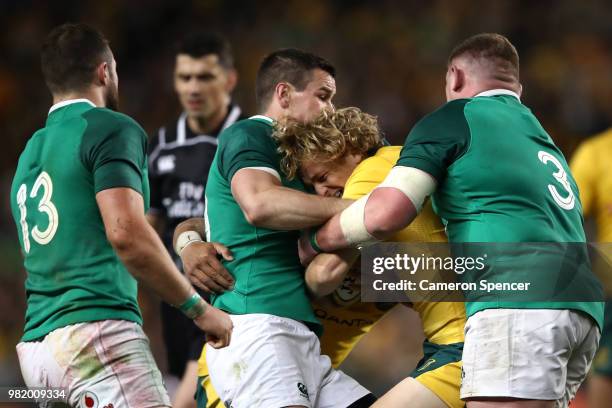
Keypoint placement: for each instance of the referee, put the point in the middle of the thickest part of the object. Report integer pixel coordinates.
(180, 155)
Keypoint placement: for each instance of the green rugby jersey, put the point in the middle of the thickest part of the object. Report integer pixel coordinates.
(268, 275)
(501, 179)
(73, 273)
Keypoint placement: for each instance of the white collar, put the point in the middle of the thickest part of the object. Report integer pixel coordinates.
(264, 118)
(499, 91)
(70, 102)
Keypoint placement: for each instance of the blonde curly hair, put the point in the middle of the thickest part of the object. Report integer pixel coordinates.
(327, 138)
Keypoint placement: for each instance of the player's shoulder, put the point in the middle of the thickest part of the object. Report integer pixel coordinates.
(250, 130)
(111, 120)
(384, 159)
(451, 113)
(451, 109)
(257, 124)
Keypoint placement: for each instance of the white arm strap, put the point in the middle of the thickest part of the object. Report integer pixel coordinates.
(414, 183)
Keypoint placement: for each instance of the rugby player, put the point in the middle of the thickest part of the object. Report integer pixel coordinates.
(497, 177)
(592, 169)
(78, 199)
(274, 359)
(341, 154)
(180, 155)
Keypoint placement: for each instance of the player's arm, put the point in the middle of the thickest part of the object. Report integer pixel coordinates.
(201, 262)
(388, 209)
(265, 202)
(138, 246)
(327, 271)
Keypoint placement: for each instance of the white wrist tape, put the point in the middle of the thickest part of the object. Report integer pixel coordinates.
(414, 183)
(185, 239)
(352, 222)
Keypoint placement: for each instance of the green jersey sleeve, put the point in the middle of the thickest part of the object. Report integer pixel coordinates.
(437, 140)
(247, 145)
(114, 150)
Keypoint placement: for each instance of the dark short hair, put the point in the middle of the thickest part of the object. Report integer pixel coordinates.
(287, 65)
(492, 47)
(70, 55)
(199, 44)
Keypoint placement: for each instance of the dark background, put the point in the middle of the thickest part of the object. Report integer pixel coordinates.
(390, 57)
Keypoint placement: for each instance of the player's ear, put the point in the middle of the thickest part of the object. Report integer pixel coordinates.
(232, 80)
(102, 73)
(283, 94)
(457, 79)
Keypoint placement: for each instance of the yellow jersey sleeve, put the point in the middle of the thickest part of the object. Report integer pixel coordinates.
(585, 169)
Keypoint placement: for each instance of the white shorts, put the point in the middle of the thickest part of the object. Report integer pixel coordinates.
(98, 363)
(540, 354)
(274, 362)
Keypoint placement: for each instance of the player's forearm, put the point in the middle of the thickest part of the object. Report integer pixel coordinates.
(145, 257)
(326, 272)
(283, 208)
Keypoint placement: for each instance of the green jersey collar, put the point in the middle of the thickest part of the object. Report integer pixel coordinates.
(70, 102)
(264, 119)
(495, 92)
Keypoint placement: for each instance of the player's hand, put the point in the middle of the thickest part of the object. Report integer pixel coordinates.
(305, 250)
(217, 325)
(203, 268)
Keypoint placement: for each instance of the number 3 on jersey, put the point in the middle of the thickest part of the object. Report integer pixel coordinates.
(567, 203)
(44, 205)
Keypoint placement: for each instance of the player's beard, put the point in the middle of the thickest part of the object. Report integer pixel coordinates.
(111, 99)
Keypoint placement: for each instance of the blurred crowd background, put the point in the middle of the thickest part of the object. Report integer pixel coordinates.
(390, 57)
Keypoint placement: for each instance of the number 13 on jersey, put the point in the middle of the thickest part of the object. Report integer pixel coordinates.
(44, 205)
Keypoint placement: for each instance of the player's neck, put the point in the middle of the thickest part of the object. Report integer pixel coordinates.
(273, 112)
(95, 97)
(200, 125)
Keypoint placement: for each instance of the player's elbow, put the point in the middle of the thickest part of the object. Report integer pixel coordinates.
(124, 236)
(120, 239)
(256, 213)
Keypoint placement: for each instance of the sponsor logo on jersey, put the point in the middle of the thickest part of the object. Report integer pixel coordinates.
(348, 293)
(303, 390)
(165, 164)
